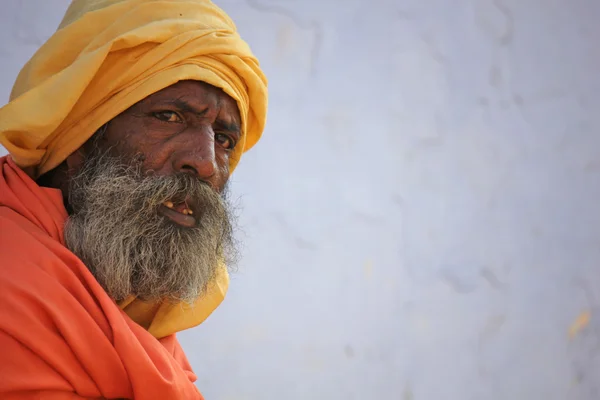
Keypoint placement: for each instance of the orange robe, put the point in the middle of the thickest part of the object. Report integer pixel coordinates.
(61, 335)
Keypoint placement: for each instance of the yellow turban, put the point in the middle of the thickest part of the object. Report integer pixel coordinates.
(109, 54)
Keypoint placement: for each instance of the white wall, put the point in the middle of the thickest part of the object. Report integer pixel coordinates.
(421, 218)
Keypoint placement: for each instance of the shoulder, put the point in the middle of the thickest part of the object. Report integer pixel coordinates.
(42, 284)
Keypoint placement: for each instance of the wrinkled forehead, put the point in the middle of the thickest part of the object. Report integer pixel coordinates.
(198, 93)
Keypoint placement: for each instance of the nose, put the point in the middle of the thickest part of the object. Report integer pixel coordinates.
(198, 158)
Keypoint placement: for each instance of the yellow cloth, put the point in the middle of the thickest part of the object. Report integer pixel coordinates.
(106, 56)
(166, 318)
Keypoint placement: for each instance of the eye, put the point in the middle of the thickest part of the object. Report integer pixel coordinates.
(167, 116)
(224, 141)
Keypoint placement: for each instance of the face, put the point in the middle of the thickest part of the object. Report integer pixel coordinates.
(188, 127)
(149, 213)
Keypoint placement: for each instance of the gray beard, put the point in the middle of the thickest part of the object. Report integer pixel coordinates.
(131, 249)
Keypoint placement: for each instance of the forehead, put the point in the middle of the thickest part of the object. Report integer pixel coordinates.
(195, 93)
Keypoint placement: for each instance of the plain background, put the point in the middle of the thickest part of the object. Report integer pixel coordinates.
(421, 219)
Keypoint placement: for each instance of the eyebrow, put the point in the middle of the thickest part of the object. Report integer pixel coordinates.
(185, 106)
(221, 124)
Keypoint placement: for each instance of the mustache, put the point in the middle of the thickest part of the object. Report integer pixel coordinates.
(189, 190)
(148, 190)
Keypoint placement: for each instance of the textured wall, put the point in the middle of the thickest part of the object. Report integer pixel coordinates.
(421, 219)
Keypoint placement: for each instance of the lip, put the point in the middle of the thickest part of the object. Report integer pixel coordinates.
(180, 219)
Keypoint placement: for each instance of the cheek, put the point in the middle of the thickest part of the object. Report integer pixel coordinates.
(157, 158)
(224, 169)
(152, 149)
(153, 156)
(124, 136)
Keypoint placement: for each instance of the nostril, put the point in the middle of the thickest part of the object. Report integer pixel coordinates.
(203, 168)
(188, 169)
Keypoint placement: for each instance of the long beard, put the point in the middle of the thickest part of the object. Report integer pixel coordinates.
(116, 229)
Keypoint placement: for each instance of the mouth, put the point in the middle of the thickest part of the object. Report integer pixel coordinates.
(180, 213)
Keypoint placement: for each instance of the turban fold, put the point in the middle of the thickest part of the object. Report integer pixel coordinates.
(109, 54)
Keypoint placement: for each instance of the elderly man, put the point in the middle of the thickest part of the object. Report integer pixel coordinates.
(115, 231)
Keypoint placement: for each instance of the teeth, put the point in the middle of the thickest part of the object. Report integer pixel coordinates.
(185, 211)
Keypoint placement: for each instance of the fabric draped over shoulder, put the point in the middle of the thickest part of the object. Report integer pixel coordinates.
(61, 335)
(109, 54)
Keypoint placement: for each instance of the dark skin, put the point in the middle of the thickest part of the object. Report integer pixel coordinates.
(189, 127)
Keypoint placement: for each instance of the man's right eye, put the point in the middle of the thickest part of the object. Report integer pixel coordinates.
(167, 116)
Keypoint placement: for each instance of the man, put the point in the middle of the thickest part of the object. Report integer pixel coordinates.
(115, 232)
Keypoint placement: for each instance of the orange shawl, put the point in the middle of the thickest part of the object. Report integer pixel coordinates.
(61, 335)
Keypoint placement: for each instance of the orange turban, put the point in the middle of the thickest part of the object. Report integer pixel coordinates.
(109, 54)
